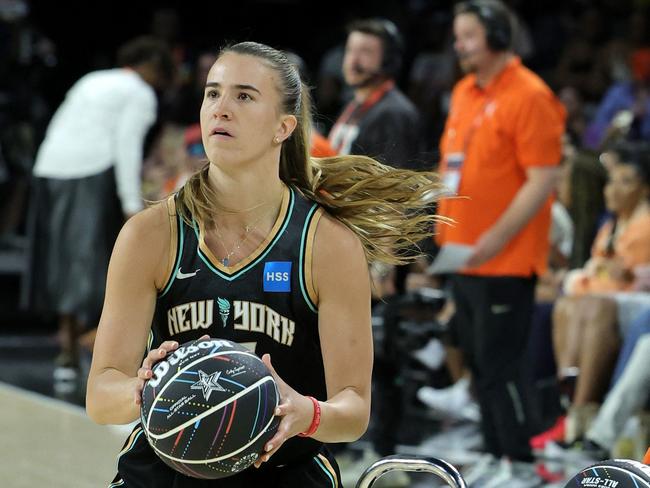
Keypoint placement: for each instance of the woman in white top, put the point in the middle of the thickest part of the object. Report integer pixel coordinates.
(87, 182)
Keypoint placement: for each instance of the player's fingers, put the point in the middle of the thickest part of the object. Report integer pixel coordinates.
(144, 373)
(156, 355)
(168, 346)
(266, 359)
(282, 409)
(274, 448)
(278, 439)
(153, 357)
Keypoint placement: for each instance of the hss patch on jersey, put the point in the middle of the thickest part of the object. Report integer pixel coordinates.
(277, 276)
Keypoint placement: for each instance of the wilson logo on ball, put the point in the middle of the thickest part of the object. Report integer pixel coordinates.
(162, 368)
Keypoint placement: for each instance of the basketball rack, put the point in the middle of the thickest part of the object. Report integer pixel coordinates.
(435, 466)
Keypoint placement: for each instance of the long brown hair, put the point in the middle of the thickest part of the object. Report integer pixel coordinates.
(388, 209)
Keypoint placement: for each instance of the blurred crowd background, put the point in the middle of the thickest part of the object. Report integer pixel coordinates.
(595, 56)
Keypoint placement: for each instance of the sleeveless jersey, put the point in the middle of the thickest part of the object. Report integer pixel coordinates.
(266, 302)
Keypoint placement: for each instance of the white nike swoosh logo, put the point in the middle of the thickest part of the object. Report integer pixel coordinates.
(181, 276)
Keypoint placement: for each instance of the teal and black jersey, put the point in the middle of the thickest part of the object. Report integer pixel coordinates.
(265, 302)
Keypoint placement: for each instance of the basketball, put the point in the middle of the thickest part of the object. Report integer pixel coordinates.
(621, 473)
(208, 409)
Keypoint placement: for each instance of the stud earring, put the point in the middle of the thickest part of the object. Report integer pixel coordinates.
(276, 140)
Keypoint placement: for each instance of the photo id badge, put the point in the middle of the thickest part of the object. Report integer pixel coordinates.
(453, 168)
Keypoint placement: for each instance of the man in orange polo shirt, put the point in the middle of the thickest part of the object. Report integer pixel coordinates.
(499, 154)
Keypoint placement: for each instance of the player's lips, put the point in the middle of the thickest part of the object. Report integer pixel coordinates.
(220, 132)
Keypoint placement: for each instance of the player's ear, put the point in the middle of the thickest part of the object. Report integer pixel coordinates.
(288, 124)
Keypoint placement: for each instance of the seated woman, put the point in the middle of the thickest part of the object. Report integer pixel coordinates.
(605, 294)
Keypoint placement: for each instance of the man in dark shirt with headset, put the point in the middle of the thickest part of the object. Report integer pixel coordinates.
(379, 121)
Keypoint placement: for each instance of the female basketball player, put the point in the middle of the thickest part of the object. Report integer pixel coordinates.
(262, 223)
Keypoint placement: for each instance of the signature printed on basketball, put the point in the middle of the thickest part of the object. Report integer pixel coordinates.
(236, 371)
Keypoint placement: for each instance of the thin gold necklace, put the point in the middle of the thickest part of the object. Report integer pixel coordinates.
(247, 231)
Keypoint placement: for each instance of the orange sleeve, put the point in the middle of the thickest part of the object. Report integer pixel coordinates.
(634, 244)
(320, 147)
(539, 128)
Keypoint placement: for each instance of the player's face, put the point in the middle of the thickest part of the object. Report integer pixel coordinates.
(240, 114)
(362, 59)
(470, 43)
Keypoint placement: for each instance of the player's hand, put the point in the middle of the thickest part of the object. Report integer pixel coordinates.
(296, 410)
(146, 370)
(488, 246)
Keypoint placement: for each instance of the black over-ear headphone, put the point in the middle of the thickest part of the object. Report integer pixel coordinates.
(496, 19)
(393, 47)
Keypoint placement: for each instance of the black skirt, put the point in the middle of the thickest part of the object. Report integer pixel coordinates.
(77, 222)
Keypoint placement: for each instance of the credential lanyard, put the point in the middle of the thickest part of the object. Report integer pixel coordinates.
(354, 111)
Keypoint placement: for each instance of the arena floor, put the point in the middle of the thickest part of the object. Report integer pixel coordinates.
(47, 442)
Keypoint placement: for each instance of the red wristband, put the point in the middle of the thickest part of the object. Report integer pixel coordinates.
(315, 422)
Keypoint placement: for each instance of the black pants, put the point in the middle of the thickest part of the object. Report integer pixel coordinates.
(77, 223)
(491, 326)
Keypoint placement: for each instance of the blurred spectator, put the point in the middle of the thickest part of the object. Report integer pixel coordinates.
(599, 303)
(623, 242)
(88, 181)
(503, 132)
(625, 109)
(380, 121)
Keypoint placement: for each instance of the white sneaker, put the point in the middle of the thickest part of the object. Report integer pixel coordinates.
(455, 402)
(485, 468)
(432, 355)
(461, 438)
(513, 475)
